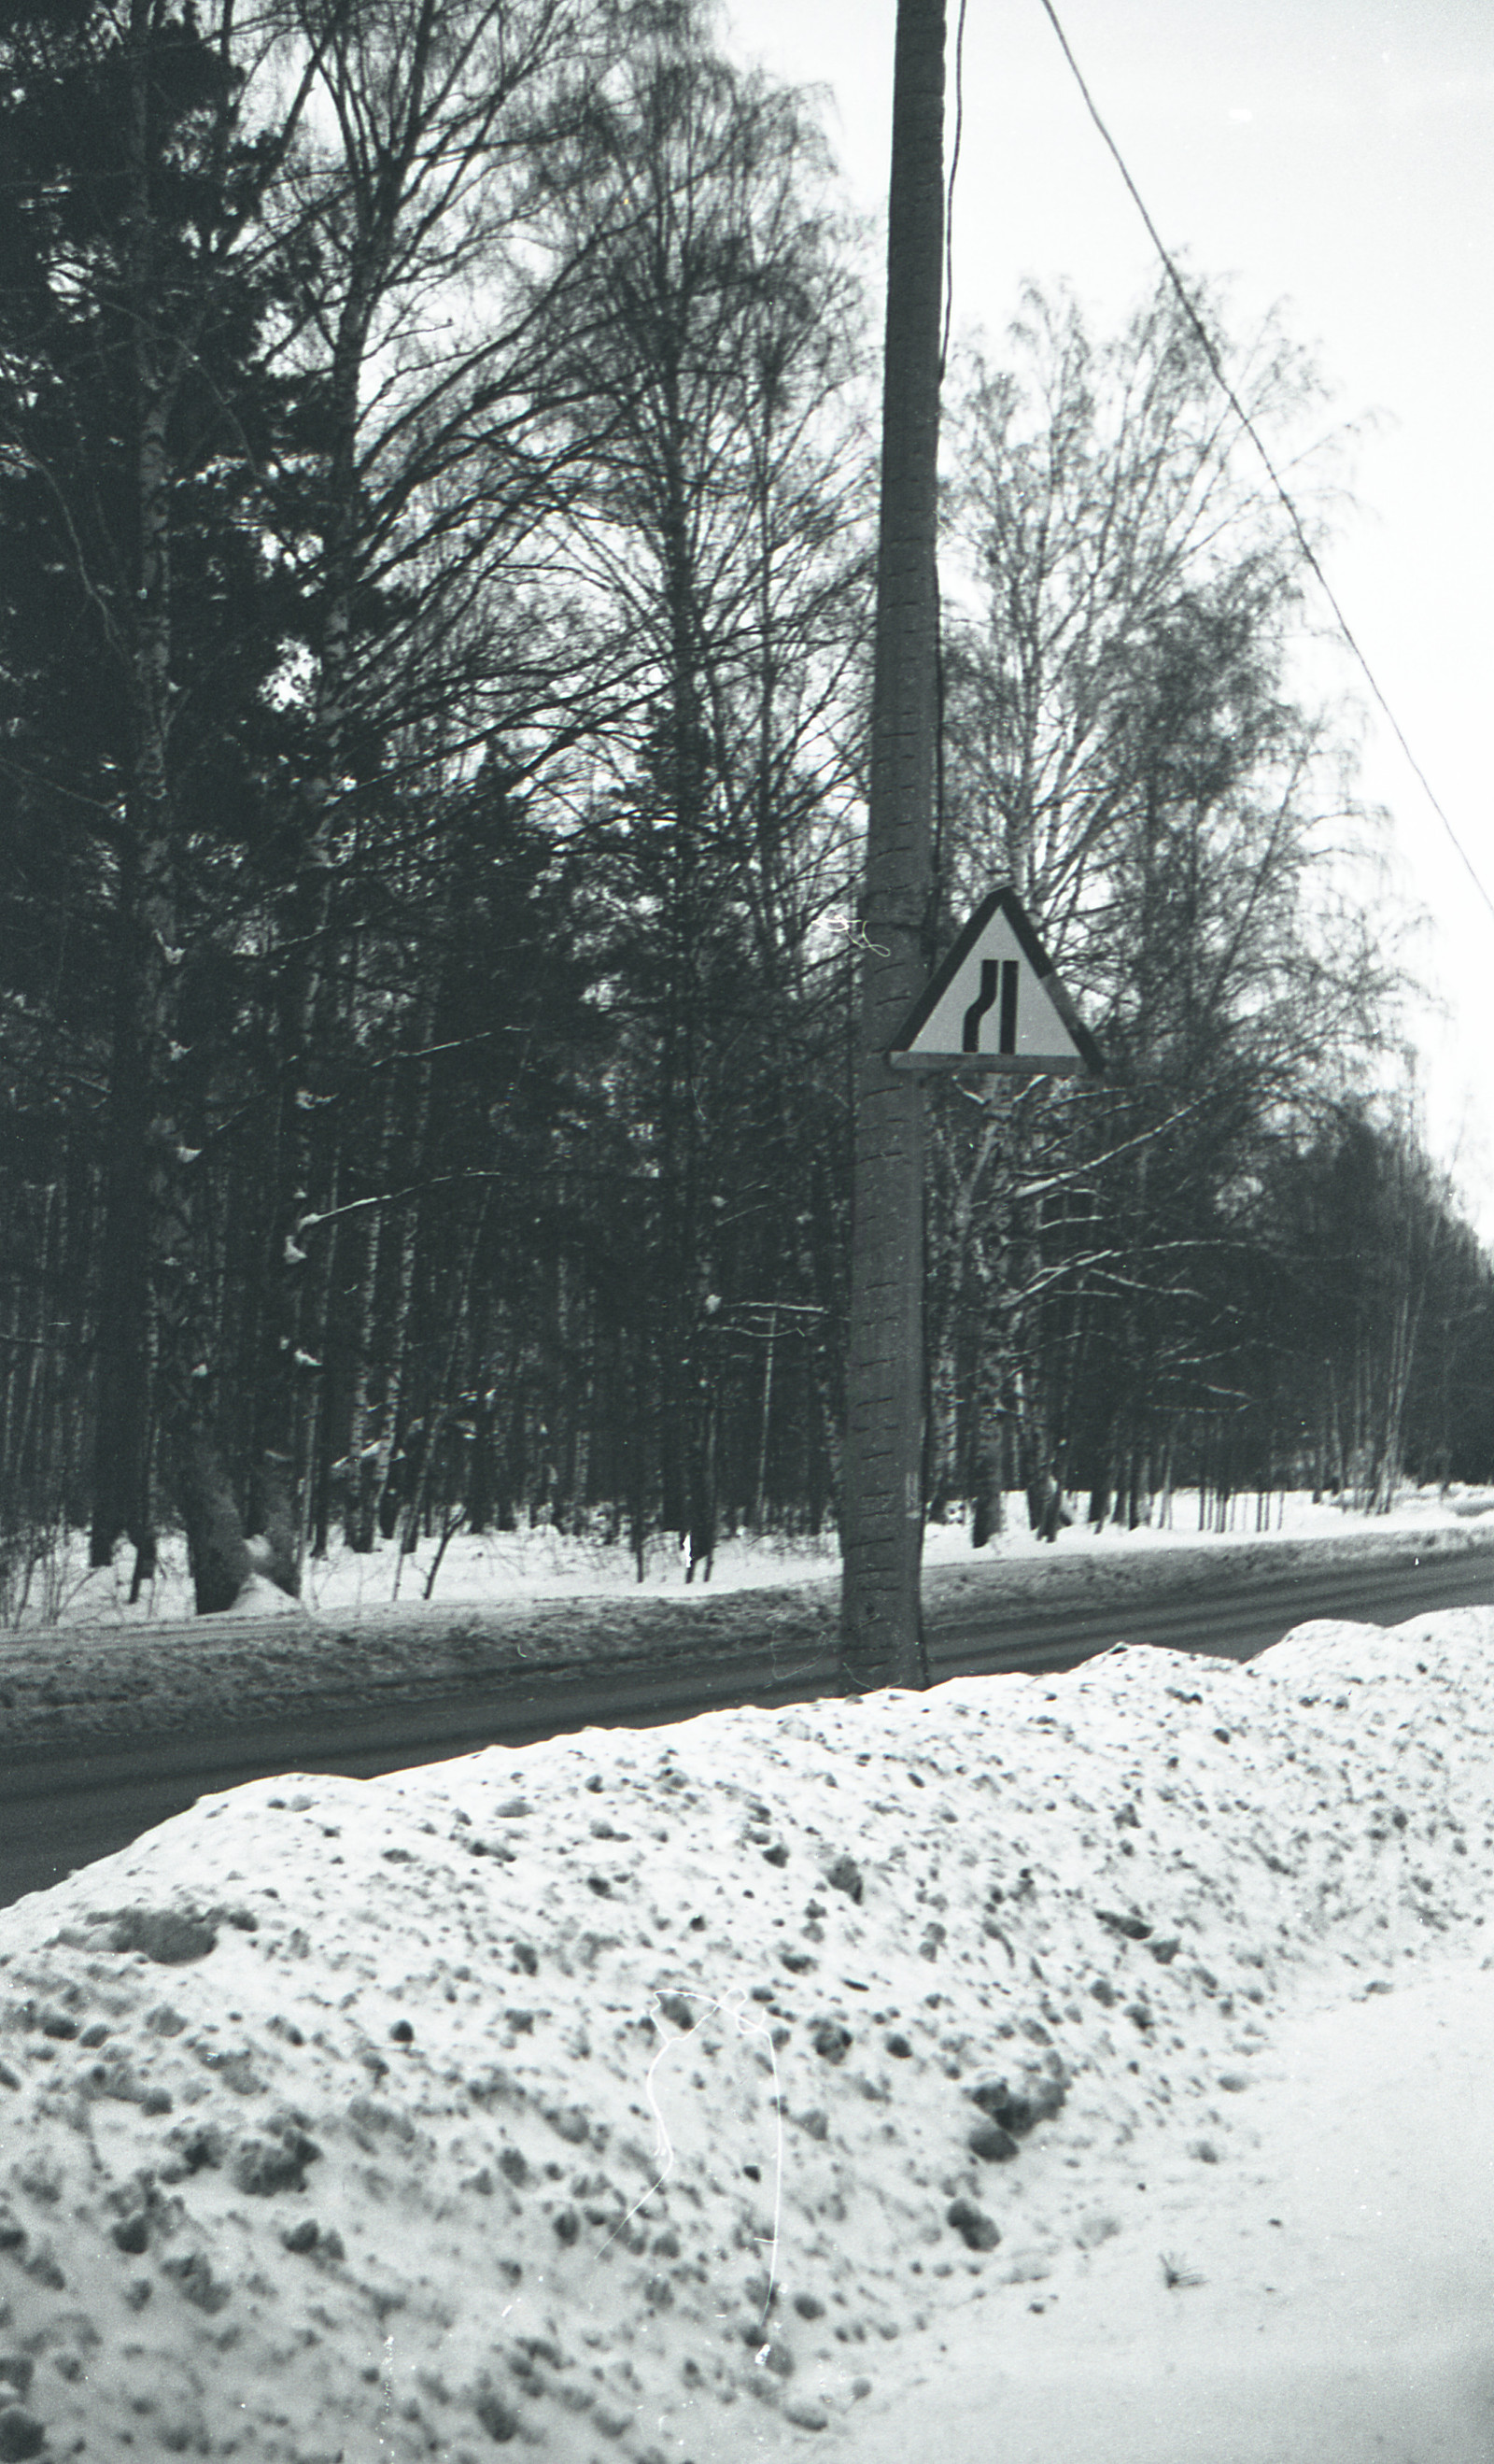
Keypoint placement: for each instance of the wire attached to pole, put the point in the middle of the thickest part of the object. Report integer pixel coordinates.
(930, 925)
(949, 197)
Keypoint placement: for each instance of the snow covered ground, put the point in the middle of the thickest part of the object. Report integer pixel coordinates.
(542, 1563)
(1039, 2069)
(364, 1639)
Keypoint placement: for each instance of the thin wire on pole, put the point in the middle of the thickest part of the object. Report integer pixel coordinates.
(939, 602)
(949, 201)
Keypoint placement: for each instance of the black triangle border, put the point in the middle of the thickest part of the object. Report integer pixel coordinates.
(1006, 899)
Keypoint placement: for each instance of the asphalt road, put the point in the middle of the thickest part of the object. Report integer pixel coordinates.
(60, 1807)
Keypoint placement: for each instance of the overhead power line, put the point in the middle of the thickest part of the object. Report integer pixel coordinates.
(1206, 341)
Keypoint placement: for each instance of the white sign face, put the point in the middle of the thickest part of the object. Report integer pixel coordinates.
(996, 1003)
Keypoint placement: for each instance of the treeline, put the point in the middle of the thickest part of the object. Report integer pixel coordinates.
(436, 483)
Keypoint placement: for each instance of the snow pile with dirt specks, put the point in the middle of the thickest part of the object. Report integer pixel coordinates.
(667, 2095)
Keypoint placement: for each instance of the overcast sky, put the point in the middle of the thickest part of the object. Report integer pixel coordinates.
(1334, 154)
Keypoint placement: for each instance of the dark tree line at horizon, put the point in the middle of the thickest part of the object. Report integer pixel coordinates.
(436, 492)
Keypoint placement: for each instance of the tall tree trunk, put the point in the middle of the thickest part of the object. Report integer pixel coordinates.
(142, 1265)
(404, 1278)
(289, 1400)
(359, 1519)
(881, 1627)
(988, 1440)
(151, 1368)
(437, 1409)
(950, 1333)
(760, 1501)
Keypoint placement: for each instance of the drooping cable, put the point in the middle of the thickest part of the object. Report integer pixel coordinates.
(949, 197)
(930, 924)
(931, 921)
(1211, 353)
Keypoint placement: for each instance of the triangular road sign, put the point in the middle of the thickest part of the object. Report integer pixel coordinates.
(996, 1003)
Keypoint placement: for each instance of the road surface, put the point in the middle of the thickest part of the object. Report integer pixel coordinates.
(62, 1807)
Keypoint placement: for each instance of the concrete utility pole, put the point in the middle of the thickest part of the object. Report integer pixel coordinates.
(881, 1627)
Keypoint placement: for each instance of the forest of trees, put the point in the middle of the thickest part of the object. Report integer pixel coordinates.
(437, 486)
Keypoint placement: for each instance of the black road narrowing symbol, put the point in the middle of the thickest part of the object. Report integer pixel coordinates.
(994, 972)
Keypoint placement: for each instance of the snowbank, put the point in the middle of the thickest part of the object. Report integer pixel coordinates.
(732, 2090)
(1333, 2303)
